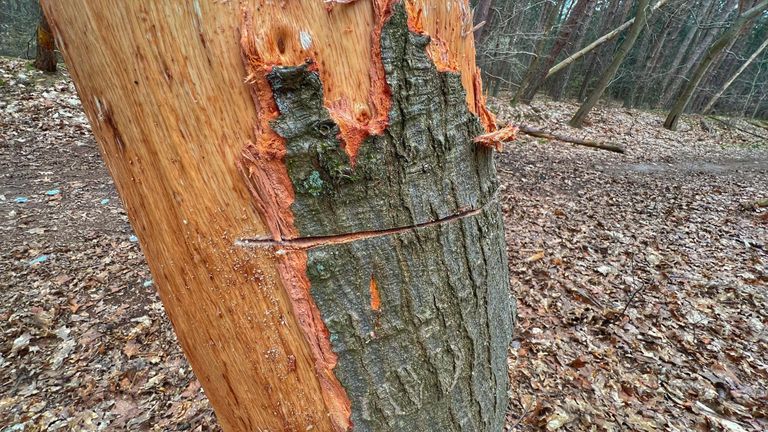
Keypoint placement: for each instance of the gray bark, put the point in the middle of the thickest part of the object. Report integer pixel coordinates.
(433, 356)
(605, 80)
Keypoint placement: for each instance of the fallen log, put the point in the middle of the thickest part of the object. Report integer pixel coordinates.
(538, 133)
(496, 140)
(731, 125)
(754, 205)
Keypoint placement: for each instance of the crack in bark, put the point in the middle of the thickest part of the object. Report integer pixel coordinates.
(307, 243)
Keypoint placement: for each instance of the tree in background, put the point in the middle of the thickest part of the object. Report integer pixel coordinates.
(618, 59)
(720, 44)
(519, 39)
(576, 18)
(45, 59)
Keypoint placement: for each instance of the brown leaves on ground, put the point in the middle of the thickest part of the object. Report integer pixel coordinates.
(641, 280)
(86, 344)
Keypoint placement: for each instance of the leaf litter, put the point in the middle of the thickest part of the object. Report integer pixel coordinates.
(641, 279)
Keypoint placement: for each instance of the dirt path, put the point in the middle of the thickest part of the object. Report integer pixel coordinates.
(641, 283)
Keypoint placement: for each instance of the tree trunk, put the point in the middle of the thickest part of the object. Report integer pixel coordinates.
(645, 69)
(700, 44)
(723, 41)
(733, 77)
(618, 59)
(547, 20)
(45, 57)
(482, 18)
(324, 234)
(598, 42)
(559, 82)
(563, 40)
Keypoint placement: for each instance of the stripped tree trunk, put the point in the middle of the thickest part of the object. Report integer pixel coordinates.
(324, 234)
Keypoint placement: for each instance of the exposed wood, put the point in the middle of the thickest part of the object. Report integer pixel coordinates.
(219, 133)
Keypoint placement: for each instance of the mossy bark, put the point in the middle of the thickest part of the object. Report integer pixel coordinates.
(423, 168)
(420, 319)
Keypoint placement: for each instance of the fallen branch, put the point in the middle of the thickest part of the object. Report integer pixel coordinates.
(754, 205)
(578, 141)
(496, 140)
(730, 125)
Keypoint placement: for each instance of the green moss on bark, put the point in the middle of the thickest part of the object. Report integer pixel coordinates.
(425, 167)
(432, 357)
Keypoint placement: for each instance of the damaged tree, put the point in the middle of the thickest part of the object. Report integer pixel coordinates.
(324, 233)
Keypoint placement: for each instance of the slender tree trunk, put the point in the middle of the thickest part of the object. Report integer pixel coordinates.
(640, 19)
(700, 45)
(482, 18)
(646, 69)
(45, 58)
(735, 76)
(712, 52)
(323, 263)
(596, 56)
(674, 70)
(563, 40)
(547, 20)
(598, 42)
(561, 81)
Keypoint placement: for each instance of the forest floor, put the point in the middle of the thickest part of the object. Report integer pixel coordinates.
(641, 280)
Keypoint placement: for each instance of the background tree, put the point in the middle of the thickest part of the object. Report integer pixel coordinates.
(720, 44)
(45, 59)
(618, 59)
(522, 34)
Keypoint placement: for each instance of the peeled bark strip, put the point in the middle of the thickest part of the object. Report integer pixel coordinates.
(323, 231)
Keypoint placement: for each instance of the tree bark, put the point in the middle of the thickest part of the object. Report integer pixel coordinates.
(482, 18)
(563, 39)
(618, 58)
(45, 57)
(733, 77)
(598, 42)
(677, 110)
(324, 234)
(547, 19)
